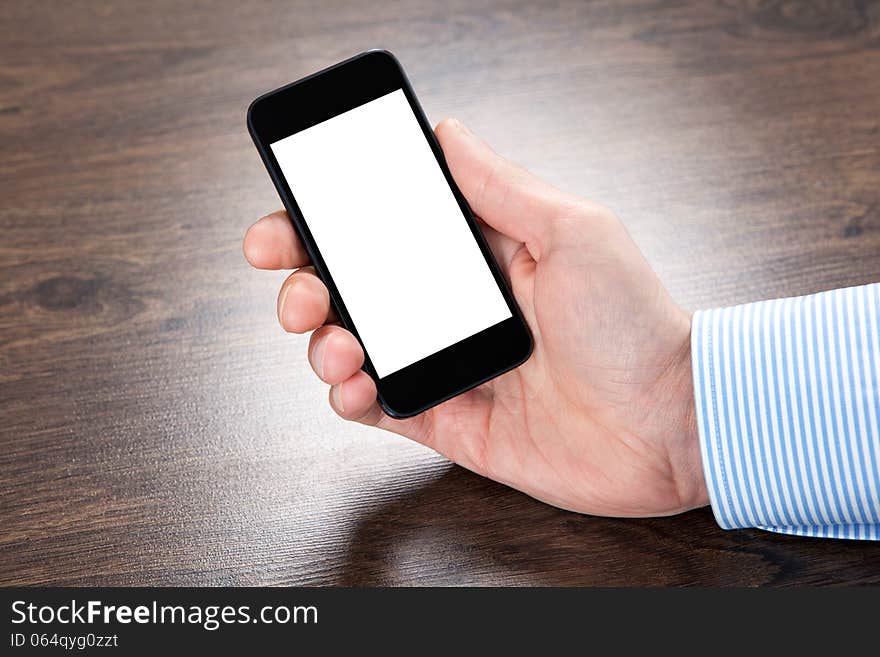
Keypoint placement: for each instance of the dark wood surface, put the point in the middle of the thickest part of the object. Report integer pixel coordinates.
(158, 427)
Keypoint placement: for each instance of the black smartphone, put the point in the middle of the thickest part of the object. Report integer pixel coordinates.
(368, 190)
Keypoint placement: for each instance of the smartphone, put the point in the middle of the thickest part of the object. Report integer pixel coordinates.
(369, 193)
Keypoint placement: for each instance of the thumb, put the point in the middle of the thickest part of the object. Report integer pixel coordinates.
(506, 196)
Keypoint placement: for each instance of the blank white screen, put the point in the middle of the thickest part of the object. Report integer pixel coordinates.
(390, 230)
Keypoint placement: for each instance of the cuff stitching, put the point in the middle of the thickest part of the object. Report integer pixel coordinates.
(718, 449)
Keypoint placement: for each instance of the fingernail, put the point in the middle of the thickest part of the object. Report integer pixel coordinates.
(336, 395)
(461, 126)
(318, 355)
(284, 292)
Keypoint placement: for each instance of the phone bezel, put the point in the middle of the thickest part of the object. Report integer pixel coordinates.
(328, 93)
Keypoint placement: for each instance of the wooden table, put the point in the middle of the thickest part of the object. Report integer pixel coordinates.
(158, 427)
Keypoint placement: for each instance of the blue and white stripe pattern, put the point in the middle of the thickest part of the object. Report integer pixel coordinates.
(788, 409)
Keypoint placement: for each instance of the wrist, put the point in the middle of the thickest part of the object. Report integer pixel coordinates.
(684, 439)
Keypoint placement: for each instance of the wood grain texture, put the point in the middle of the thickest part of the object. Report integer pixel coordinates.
(157, 427)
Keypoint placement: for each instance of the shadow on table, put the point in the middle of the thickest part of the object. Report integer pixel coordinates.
(461, 529)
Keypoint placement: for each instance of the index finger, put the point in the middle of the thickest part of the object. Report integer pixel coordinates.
(271, 243)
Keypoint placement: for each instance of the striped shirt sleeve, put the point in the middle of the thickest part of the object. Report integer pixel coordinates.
(788, 410)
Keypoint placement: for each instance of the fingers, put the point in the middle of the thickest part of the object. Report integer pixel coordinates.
(506, 196)
(335, 354)
(271, 243)
(336, 357)
(303, 303)
(355, 399)
(503, 247)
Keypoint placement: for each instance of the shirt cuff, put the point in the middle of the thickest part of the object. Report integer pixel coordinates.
(787, 406)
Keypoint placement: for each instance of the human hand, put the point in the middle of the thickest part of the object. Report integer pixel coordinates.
(601, 418)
